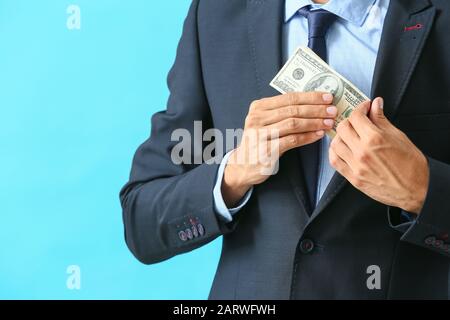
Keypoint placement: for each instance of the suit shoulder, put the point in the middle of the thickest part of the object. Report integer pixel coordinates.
(211, 6)
(220, 13)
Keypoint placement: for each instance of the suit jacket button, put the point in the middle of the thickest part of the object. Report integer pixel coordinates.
(200, 229)
(430, 241)
(306, 246)
(438, 243)
(189, 234)
(182, 235)
(194, 231)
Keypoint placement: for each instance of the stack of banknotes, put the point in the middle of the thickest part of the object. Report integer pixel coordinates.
(305, 71)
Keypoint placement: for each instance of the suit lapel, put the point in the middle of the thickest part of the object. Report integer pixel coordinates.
(265, 20)
(406, 28)
(291, 163)
(335, 186)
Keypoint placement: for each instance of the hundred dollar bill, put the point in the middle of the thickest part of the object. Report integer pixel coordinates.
(306, 71)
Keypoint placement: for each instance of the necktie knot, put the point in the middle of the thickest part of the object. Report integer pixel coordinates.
(319, 21)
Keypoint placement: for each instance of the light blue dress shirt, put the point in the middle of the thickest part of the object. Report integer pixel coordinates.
(352, 47)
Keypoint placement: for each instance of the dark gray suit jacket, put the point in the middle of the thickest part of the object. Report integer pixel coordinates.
(275, 248)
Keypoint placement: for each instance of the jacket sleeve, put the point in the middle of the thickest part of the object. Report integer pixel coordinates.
(167, 207)
(431, 229)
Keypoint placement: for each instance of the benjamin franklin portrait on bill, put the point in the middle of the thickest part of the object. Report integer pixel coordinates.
(326, 82)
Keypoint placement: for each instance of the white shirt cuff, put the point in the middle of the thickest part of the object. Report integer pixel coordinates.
(219, 204)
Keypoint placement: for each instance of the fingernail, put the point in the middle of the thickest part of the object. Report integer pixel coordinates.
(327, 97)
(320, 133)
(380, 103)
(328, 122)
(332, 110)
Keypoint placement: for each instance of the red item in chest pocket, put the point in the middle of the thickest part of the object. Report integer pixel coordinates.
(415, 27)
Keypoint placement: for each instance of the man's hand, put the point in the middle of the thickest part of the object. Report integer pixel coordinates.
(272, 127)
(379, 159)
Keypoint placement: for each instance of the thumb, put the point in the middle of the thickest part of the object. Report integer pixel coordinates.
(377, 113)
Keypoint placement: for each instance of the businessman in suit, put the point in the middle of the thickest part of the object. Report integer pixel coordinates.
(370, 204)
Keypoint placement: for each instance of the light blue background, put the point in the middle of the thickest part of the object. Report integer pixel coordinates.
(74, 107)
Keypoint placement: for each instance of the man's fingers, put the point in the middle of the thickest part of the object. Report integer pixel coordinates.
(348, 134)
(364, 108)
(342, 150)
(293, 98)
(298, 125)
(299, 111)
(376, 114)
(360, 121)
(292, 141)
(339, 164)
